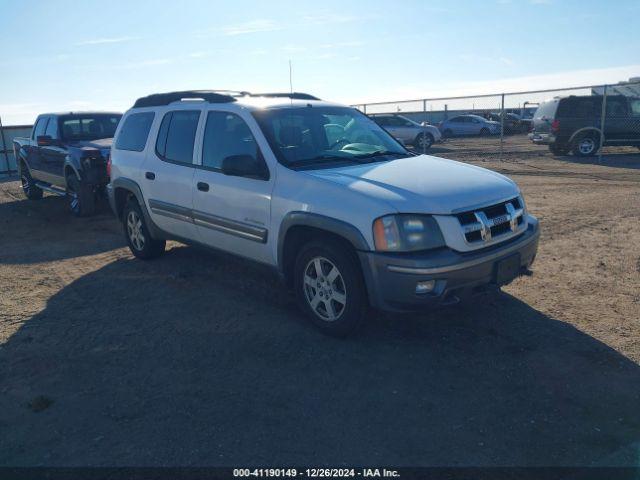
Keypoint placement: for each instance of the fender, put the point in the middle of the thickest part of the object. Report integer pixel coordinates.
(585, 129)
(339, 227)
(69, 163)
(133, 187)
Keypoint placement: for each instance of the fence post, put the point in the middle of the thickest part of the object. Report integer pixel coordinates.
(424, 110)
(501, 127)
(5, 149)
(603, 115)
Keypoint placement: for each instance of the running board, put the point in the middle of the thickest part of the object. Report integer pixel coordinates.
(51, 189)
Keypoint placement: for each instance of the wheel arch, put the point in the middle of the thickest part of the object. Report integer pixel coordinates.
(298, 228)
(580, 131)
(124, 189)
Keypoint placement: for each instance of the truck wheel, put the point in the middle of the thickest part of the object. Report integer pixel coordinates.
(81, 197)
(586, 145)
(423, 142)
(558, 149)
(29, 187)
(329, 287)
(140, 242)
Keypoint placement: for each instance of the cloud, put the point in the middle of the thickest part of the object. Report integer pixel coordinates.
(101, 41)
(252, 26)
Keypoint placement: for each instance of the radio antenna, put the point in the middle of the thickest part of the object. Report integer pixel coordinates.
(290, 77)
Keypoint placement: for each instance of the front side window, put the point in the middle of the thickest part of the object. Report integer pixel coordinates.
(133, 134)
(52, 129)
(226, 135)
(321, 136)
(177, 135)
(89, 126)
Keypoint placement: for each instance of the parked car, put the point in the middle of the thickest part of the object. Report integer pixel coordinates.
(469, 125)
(421, 137)
(573, 123)
(320, 192)
(512, 122)
(66, 154)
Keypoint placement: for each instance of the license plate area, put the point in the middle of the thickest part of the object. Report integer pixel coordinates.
(507, 269)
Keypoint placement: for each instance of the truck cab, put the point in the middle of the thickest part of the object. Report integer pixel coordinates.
(67, 155)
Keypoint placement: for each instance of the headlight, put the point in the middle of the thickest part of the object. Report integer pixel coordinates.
(406, 233)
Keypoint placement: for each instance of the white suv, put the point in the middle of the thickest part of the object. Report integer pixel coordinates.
(320, 192)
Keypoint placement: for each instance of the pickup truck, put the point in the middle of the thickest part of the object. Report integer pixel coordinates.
(66, 155)
(320, 192)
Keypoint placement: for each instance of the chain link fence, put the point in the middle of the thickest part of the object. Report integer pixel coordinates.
(569, 121)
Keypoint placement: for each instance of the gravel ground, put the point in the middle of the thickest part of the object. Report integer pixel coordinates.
(200, 358)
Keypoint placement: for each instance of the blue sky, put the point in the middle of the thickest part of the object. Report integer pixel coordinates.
(69, 55)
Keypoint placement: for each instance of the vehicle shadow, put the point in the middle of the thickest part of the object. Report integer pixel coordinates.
(622, 159)
(48, 223)
(203, 359)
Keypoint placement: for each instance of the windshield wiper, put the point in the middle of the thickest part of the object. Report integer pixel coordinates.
(379, 153)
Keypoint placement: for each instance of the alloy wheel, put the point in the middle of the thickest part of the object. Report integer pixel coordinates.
(586, 145)
(324, 289)
(134, 230)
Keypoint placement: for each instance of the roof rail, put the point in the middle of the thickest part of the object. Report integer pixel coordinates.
(211, 96)
(292, 95)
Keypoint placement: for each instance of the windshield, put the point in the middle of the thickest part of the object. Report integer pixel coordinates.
(308, 135)
(88, 127)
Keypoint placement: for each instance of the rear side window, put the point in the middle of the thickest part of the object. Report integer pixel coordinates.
(177, 135)
(134, 132)
(635, 107)
(38, 130)
(578, 107)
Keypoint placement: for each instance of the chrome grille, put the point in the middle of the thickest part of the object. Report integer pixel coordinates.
(492, 222)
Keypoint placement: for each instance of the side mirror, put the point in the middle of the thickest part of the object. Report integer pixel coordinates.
(244, 166)
(44, 140)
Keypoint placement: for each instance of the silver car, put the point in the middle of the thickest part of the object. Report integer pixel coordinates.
(408, 131)
(469, 125)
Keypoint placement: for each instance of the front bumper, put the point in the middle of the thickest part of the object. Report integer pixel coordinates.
(542, 138)
(391, 278)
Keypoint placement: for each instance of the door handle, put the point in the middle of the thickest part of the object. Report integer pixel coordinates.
(150, 175)
(203, 187)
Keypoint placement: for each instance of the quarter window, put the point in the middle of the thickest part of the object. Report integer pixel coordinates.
(134, 132)
(635, 108)
(226, 135)
(177, 135)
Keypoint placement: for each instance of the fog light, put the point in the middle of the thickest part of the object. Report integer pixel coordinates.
(425, 287)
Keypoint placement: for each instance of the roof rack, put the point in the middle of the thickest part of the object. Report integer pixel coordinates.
(292, 95)
(211, 96)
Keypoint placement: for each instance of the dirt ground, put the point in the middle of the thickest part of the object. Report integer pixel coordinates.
(200, 358)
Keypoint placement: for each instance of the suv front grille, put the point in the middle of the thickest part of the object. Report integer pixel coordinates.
(488, 223)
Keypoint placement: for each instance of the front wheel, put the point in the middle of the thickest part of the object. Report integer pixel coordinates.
(140, 242)
(329, 287)
(81, 198)
(423, 142)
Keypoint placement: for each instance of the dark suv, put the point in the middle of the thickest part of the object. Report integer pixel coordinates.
(573, 124)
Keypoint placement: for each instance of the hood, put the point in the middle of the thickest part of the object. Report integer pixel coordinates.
(424, 184)
(101, 144)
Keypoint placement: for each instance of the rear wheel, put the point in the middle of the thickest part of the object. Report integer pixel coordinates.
(329, 287)
(29, 187)
(81, 198)
(140, 241)
(586, 145)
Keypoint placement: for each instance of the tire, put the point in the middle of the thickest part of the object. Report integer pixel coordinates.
(423, 142)
(140, 241)
(558, 149)
(586, 145)
(336, 299)
(29, 187)
(485, 132)
(81, 198)
(448, 133)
